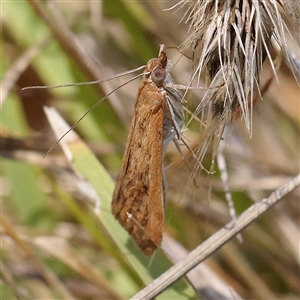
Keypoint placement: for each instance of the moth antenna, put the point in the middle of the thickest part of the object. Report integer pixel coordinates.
(90, 109)
(83, 83)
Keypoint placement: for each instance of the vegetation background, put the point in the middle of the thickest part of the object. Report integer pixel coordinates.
(52, 245)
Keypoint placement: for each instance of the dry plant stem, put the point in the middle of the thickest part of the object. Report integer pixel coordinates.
(203, 277)
(216, 241)
(224, 177)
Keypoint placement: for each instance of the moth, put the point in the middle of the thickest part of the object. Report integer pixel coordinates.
(139, 196)
(138, 199)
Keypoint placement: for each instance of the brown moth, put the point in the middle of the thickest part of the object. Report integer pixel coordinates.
(138, 198)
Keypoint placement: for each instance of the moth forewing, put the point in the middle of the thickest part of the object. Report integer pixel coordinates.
(138, 199)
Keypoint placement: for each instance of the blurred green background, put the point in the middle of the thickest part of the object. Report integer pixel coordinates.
(47, 216)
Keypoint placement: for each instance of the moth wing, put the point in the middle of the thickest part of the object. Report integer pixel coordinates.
(138, 202)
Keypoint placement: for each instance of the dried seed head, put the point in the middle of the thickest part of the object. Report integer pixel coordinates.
(230, 40)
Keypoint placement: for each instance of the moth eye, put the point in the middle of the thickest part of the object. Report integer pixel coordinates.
(158, 76)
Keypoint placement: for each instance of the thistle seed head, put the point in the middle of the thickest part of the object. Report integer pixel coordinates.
(230, 40)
